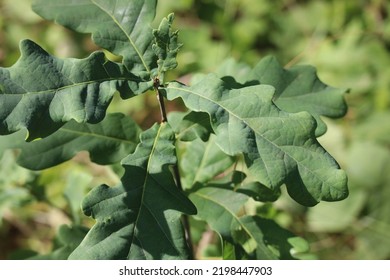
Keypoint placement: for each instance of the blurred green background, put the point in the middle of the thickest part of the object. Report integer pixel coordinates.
(347, 41)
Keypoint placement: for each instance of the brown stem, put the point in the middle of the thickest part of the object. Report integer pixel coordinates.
(160, 98)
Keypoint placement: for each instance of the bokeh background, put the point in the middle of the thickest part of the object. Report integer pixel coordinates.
(347, 41)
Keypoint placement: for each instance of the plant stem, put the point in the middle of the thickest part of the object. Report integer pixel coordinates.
(157, 88)
(160, 98)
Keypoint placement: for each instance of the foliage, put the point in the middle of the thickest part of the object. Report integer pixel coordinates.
(222, 162)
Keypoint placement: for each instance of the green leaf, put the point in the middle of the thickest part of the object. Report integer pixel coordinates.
(299, 89)
(166, 46)
(259, 192)
(202, 161)
(41, 92)
(121, 26)
(279, 147)
(219, 207)
(270, 240)
(238, 70)
(245, 236)
(107, 142)
(222, 209)
(229, 251)
(190, 126)
(10, 141)
(140, 218)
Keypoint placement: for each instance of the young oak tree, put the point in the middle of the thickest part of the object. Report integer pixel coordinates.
(267, 122)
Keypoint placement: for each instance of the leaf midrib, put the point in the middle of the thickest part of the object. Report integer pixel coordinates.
(219, 105)
(189, 128)
(234, 216)
(202, 162)
(143, 204)
(126, 34)
(51, 90)
(256, 132)
(95, 135)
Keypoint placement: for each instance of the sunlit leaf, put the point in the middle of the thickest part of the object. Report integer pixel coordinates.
(299, 89)
(41, 92)
(279, 147)
(121, 26)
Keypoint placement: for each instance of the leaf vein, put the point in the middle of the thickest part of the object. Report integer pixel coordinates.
(126, 34)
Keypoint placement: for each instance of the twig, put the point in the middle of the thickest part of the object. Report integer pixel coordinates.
(157, 88)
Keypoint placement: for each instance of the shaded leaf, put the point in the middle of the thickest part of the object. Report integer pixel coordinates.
(202, 161)
(229, 252)
(299, 89)
(259, 192)
(41, 92)
(230, 180)
(219, 207)
(140, 218)
(120, 26)
(270, 240)
(190, 126)
(246, 237)
(279, 147)
(107, 142)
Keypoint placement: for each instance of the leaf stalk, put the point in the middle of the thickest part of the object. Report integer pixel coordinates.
(157, 88)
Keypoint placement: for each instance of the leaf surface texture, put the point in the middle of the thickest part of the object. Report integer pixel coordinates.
(106, 142)
(123, 27)
(299, 89)
(41, 92)
(279, 147)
